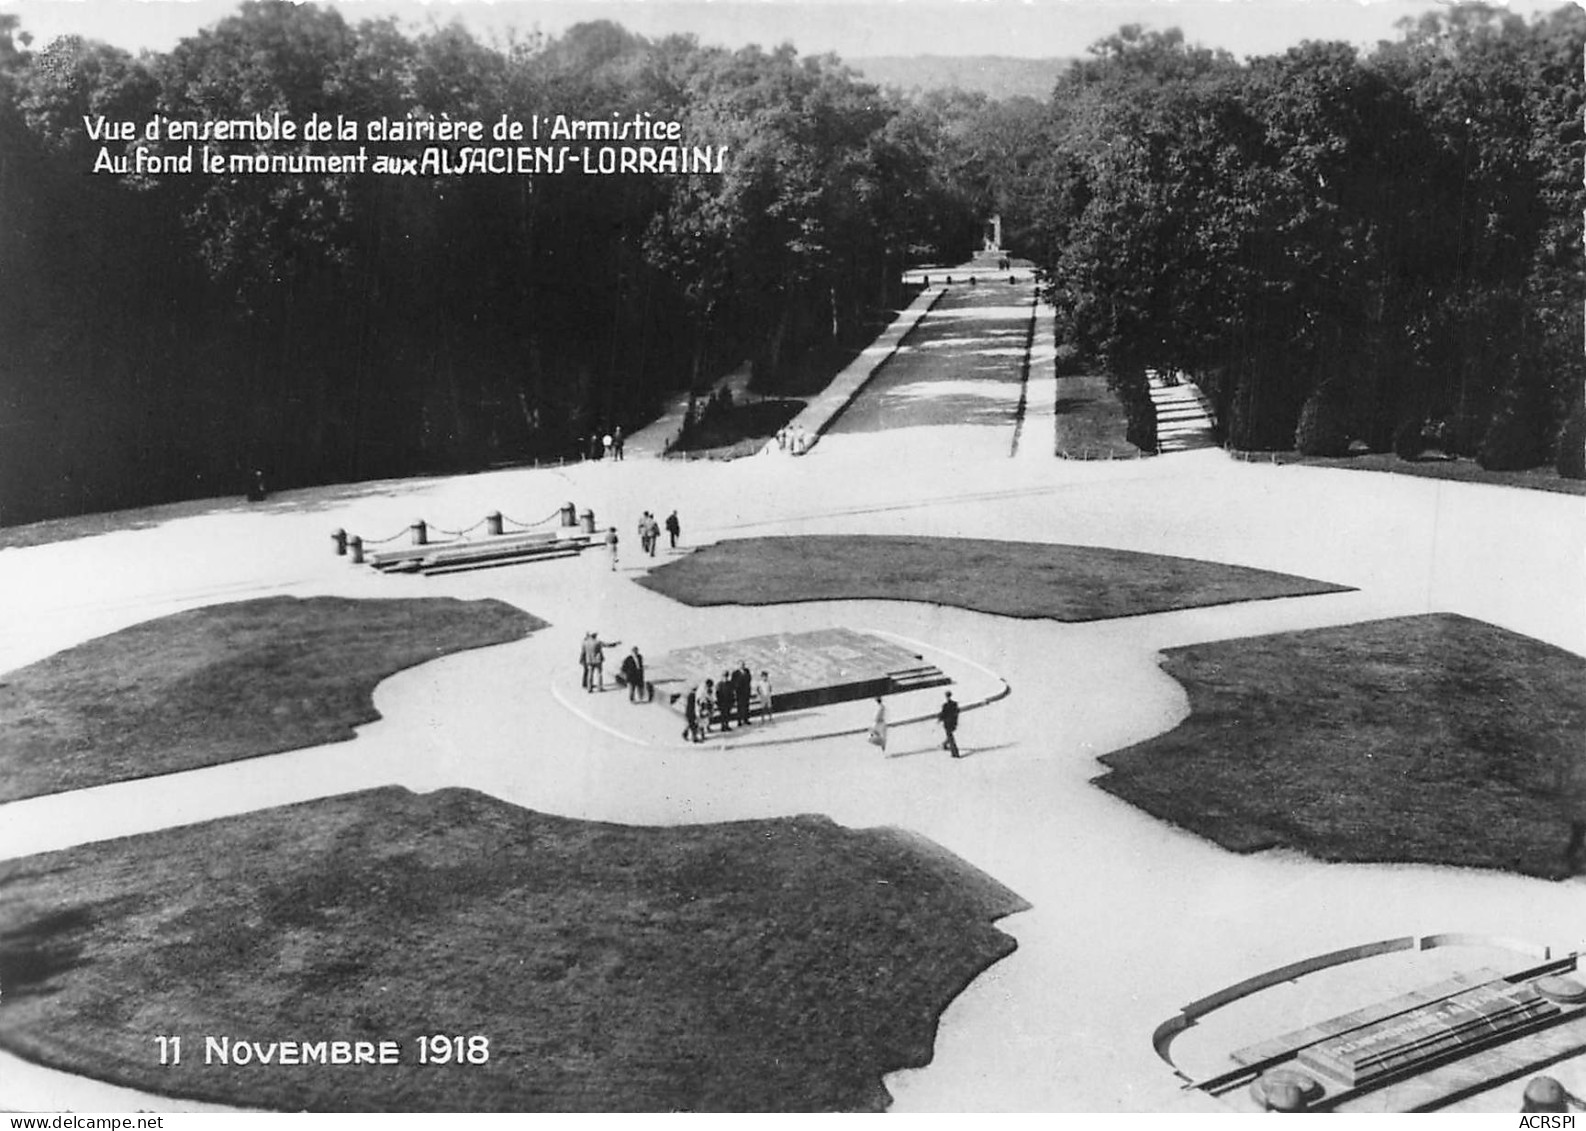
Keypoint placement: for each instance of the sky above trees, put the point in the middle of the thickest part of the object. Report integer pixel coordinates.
(852, 28)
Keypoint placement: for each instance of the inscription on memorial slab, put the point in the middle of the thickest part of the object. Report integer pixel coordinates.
(806, 668)
(1448, 1045)
(1472, 1017)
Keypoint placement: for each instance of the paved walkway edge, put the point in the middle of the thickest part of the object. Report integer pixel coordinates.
(827, 405)
(1038, 433)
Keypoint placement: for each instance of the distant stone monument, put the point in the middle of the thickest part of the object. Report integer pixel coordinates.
(994, 233)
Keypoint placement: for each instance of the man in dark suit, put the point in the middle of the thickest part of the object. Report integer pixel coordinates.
(948, 717)
(724, 701)
(633, 676)
(742, 685)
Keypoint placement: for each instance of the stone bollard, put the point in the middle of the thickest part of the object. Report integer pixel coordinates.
(340, 538)
(421, 532)
(357, 549)
(588, 521)
(493, 522)
(569, 515)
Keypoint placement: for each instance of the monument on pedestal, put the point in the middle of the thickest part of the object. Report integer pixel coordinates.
(993, 233)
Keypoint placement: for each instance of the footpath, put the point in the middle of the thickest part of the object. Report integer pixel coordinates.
(827, 405)
(819, 411)
(654, 438)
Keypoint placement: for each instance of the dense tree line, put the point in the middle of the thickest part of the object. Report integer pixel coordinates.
(1380, 248)
(163, 335)
(1340, 247)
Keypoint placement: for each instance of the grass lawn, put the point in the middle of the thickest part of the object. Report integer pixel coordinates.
(221, 683)
(760, 965)
(1016, 579)
(1429, 739)
(1090, 420)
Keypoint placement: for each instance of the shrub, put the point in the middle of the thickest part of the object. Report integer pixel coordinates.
(1571, 461)
(1463, 434)
(1134, 393)
(1512, 443)
(1141, 431)
(1321, 431)
(1262, 413)
(1407, 442)
(1069, 361)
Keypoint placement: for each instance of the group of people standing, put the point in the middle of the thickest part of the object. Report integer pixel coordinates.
(600, 445)
(719, 702)
(592, 658)
(793, 438)
(733, 697)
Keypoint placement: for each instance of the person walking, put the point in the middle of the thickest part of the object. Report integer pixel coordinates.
(616, 442)
(948, 717)
(644, 532)
(762, 691)
(673, 528)
(878, 728)
(655, 533)
(633, 676)
(611, 544)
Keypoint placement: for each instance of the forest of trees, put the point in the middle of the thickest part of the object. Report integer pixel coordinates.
(1379, 247)
(163, 336)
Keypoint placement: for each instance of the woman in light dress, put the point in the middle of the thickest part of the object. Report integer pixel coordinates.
(878, 729)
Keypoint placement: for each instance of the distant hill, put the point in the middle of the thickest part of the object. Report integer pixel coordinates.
(998, 76)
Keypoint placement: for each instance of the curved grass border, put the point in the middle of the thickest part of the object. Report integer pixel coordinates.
(761, 965)
(1430, 739)
(1013, 579)
(222, 683)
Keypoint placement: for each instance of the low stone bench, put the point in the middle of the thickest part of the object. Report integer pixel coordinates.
(502, 551)
(417, 557)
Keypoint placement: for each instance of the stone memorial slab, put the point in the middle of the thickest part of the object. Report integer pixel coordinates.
(1459, 1023)
(807, 669)
(1447, 1045)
